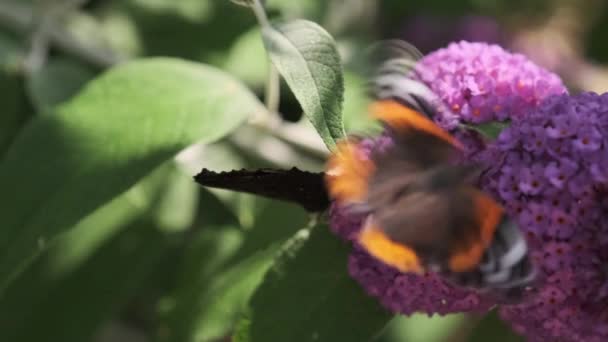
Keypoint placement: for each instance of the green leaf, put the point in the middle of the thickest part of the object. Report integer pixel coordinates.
(56, 82)
(192, 10)
(221, 270)
(74, 247)
(307, 57)
(25, 295)
(492, 328)
(356, 102)
(123, 125)
(48, 283)
(11, 52)
(314, 10)
(178, 208)
(420, 327)
(192, 29)
(491, 130)
(12, 95)
(94, 291)
(309, 296)
(12, 102)
(245, 3)
(247, 59)
(220, 299)
(197, 283)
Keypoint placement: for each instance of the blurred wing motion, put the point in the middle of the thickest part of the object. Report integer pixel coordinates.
(394, 77)
(347, 173)
(425, 212)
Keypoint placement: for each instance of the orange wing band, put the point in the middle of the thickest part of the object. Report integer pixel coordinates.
(347, 173)
(401, 117)
(389, 252)
(489, 214)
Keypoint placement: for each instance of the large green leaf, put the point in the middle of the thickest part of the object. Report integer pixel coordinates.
(309, 296)
(420, 327)
(192, 29)
(212, 295)
(53, 281)
(13, 111)
(492, 328)
(307, 57)
(124, 124)
(77, 304)
(221, 270)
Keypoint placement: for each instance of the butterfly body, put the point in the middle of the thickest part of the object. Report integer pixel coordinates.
(425, 211)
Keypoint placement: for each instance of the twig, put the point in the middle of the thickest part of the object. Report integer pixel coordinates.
(39, 46)
(273, 89)
(260, 13)
(273, 86)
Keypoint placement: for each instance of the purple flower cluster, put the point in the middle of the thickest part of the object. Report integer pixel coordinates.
(552, 179)
(550, 171)
(481, 82)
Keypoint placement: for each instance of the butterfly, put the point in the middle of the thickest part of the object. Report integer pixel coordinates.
(425, 212)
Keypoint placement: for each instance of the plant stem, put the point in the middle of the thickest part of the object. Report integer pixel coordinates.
(260, 13)
(39, 47)
(273, 86)
(273, 89)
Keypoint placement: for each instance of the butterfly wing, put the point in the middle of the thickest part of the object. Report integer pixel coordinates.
(347, 173)
(424, 203)
(375, 240)
(461, 233)
(504, 263)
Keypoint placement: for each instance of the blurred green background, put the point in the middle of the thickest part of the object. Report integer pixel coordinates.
(170, 261)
